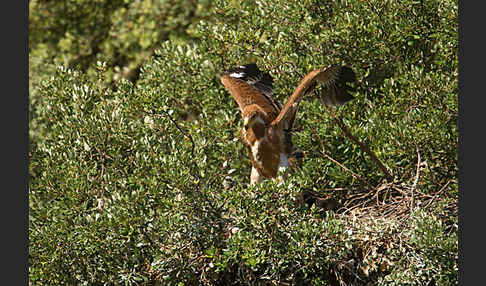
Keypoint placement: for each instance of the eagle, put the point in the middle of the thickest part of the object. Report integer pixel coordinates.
(267, 125)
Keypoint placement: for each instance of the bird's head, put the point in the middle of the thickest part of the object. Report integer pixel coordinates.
(254, 122)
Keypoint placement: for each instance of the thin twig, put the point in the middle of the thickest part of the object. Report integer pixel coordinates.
(334, 189)
(323, 152)
(379, 189)
(182, 131)
(356, 176)
(364, 147)
(417, 174)
(101, 200)
(436, 194)
(294, 68)
(195, 169)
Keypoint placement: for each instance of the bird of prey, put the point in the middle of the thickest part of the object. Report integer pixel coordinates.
(267, 125)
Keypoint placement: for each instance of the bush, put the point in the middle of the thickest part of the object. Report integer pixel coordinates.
(146, 181)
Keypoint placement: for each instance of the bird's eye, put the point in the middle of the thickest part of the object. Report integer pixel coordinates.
(246, 127)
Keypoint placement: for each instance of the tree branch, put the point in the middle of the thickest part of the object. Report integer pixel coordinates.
(364, 147)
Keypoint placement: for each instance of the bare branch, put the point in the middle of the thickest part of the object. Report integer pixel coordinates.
(182, 131)
(356, 176)
(364, 147)
(417, 174)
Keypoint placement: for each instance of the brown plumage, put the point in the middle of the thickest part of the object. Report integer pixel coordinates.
(267, 125)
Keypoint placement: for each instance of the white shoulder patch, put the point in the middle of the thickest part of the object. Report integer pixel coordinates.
(237, 74)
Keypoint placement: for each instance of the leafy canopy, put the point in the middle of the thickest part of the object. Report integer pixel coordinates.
(138, 175)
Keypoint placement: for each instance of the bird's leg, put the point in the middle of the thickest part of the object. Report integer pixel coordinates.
(283, 168)
(255, 176)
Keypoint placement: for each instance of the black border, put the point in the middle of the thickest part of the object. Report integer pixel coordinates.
(471, 128)
(15, 143)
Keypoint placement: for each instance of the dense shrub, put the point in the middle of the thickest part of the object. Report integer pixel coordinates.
(146, 181)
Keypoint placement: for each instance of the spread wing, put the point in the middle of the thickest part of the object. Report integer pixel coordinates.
(334, 90)
(250, 86)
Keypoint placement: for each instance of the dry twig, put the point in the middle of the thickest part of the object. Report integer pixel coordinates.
(356, 176)
(364, 147)
(417, 173)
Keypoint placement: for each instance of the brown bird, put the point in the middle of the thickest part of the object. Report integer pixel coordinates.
(267, 128)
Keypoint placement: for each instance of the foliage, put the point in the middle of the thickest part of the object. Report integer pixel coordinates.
(124, 34)
(146, 181)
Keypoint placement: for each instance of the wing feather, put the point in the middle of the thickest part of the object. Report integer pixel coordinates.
(334, 91)
(249, 86)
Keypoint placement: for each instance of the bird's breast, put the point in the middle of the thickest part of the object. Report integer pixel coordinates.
(267, 155)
